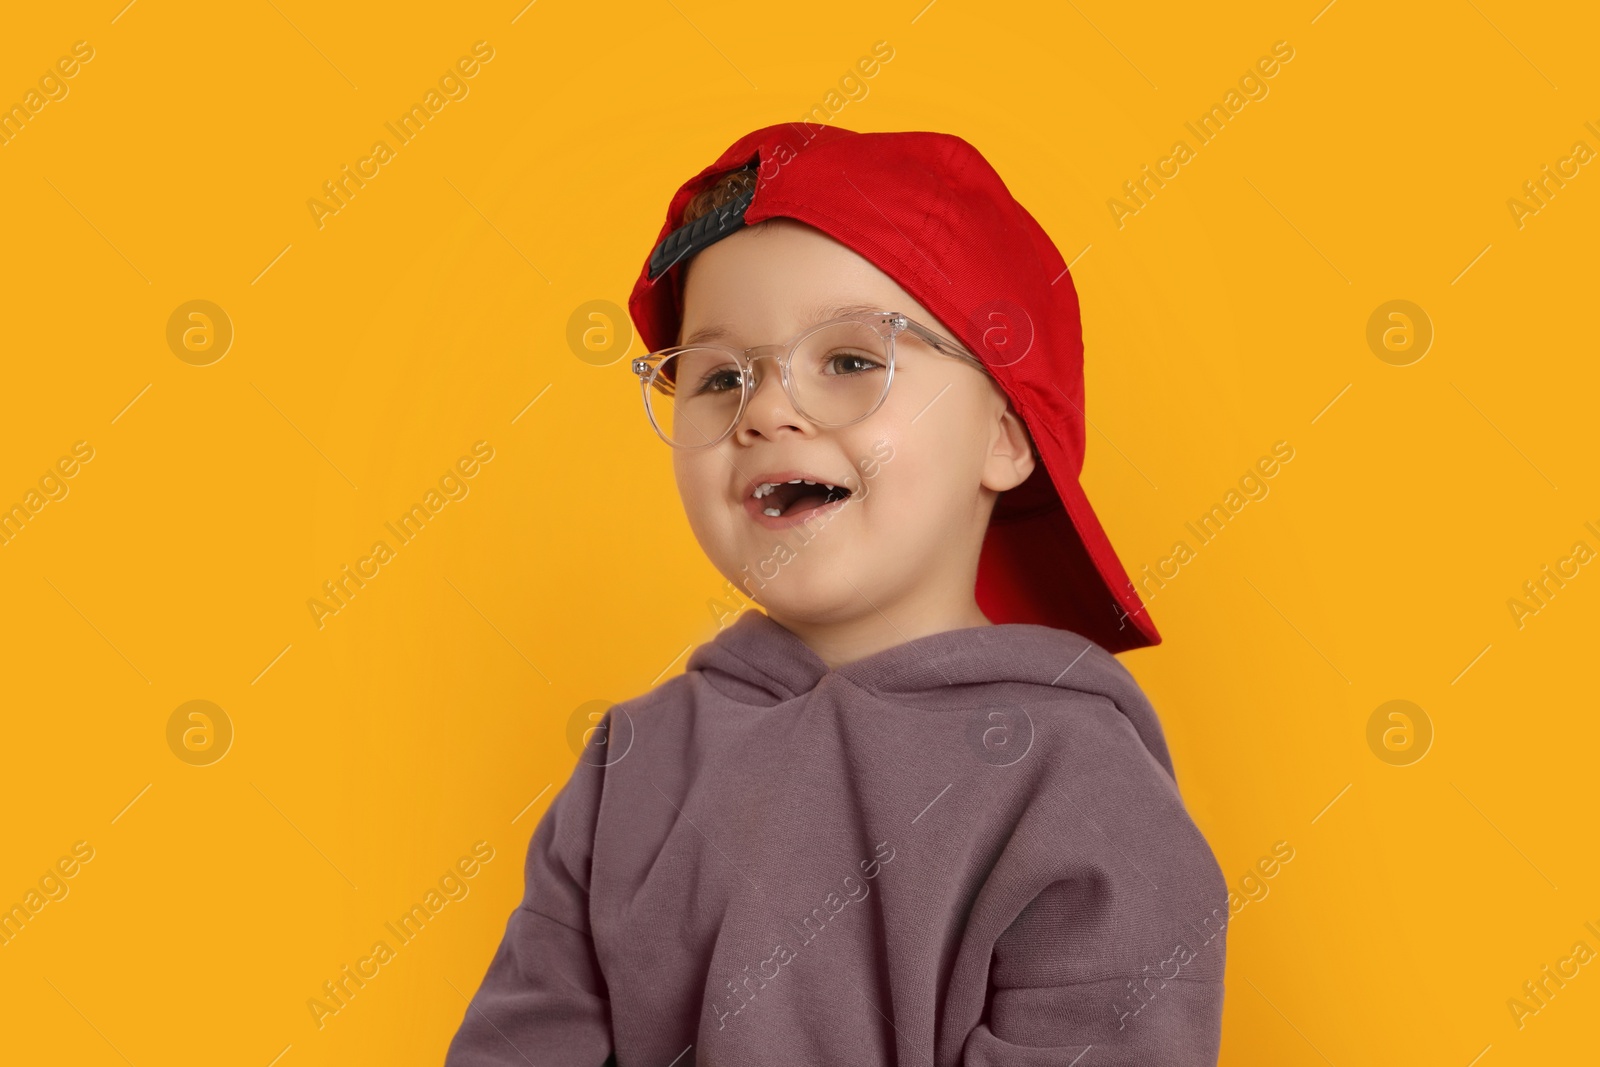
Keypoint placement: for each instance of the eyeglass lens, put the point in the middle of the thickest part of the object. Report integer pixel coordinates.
(837, 375)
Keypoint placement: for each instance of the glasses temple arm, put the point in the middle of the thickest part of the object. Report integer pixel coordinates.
(942, 344)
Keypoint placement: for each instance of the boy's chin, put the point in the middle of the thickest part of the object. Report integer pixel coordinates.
(799, 591)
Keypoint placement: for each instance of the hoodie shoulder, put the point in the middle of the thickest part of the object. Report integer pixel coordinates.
(1112, 687)
(1074, 686)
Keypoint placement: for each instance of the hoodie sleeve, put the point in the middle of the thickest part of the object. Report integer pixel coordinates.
(1118, 946)
(544, 999)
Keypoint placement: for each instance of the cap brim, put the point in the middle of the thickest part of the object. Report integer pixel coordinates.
(1047, 559)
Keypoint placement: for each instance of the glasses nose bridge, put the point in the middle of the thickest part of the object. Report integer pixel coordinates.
(782, 351)
(777, 352)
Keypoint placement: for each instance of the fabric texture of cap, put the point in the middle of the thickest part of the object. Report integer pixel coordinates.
(930, 212)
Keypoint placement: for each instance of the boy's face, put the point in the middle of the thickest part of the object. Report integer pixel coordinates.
(924, 469)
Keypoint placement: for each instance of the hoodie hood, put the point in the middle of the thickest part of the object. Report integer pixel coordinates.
(759, 661)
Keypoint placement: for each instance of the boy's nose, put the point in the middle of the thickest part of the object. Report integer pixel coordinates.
(769, 407)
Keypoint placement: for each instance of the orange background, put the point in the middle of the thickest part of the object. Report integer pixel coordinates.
(434, 310)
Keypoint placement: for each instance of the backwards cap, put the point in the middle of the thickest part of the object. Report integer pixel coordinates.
(930, 212)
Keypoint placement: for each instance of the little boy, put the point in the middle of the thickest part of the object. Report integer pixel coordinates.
(914, 811)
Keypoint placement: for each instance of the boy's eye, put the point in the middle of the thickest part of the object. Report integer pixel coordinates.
(844, 361)
(719, 381)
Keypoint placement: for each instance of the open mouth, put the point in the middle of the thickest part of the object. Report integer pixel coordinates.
(795, 497)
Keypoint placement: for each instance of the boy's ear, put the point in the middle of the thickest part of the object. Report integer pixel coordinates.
(1013, 455)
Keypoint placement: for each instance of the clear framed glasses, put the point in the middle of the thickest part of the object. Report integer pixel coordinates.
(835, 373)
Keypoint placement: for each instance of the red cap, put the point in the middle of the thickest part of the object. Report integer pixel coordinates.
(930, 212)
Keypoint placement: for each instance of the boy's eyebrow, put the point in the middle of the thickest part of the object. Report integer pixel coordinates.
(718, 331)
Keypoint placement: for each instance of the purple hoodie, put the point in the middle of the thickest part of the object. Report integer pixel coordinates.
(967, 849)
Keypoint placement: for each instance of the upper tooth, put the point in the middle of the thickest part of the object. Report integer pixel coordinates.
(768, 488)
